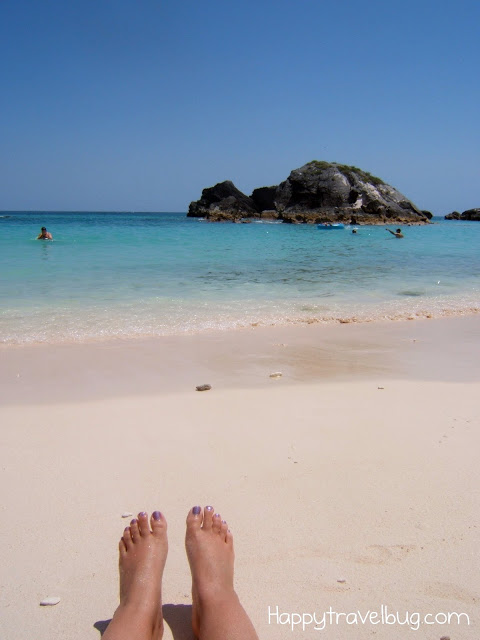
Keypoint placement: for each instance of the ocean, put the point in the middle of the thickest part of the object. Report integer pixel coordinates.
(112, 275)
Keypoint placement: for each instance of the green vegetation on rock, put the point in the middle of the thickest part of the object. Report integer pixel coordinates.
(321, 165)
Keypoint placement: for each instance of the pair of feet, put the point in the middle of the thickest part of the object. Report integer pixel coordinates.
(216, 610)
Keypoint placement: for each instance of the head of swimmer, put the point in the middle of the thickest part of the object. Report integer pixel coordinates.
(44, 234)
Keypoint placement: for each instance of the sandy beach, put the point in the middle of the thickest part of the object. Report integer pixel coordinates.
(351, 482)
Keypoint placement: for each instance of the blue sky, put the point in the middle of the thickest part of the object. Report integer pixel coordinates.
(139, 105)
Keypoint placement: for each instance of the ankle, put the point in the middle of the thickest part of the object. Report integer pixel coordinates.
(140, 616)
(213, 596)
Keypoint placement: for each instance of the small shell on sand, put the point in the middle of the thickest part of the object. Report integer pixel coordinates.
(204, 387)
(127, 514)
(380, 387)
(276, 374)
(50, 601)
(341, 581)
(445, 638)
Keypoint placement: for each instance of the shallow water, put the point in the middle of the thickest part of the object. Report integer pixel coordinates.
(132, 274)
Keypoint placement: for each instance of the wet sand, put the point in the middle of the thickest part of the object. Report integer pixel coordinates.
(350, 482)
(446, 349)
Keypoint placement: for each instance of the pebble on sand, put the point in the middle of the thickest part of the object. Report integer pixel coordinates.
(380, 387)
(204, 387)
(341, 581)
(276, 374)
(127, 514)
(50, 601)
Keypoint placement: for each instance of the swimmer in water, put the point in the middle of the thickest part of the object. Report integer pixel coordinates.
(398, 233)
(44, 234)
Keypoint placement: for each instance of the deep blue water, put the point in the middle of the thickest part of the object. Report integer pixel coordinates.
(127, 274)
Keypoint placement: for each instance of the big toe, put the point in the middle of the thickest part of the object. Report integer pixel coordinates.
(194, 519)
(158, 524)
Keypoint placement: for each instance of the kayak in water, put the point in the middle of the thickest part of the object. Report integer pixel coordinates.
(326, 225)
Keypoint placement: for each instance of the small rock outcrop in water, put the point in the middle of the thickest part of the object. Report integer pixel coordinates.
(317, 192)
(470, 214)
(222, 202)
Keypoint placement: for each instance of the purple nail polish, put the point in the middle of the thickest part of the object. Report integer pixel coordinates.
(156, 515)
(134, 521)
(196, 510)
(217, 515)
(209, 508)
(224, 522)
(142, 514)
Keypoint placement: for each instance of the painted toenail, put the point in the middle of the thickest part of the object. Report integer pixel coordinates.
(209, 508)
(224, 522)
(196, 510)
(217, 515)
(134, 521)
(142, 514)
(156, 515)
(126, 530)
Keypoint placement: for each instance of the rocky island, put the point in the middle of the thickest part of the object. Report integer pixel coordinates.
(318, 192)
(470, 214)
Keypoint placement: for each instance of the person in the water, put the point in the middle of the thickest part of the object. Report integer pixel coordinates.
(216, 610)
(398, 233)
(44, 234)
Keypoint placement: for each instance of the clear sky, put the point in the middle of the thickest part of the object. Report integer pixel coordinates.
(140, 104)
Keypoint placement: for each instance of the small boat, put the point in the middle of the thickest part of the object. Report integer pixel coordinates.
(326, 225)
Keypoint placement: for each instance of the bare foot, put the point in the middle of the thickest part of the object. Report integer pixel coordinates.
(143, 553)
(216, 612)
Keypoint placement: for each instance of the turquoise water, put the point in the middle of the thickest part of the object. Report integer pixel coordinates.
(142, 274)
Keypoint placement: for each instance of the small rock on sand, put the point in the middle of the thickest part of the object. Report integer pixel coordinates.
(341, 581)
(445, 638)
(50, 601)
(380, 387)
(204, 387)
(276, 374)
(127, 514)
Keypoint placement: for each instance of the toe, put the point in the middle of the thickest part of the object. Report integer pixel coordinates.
(127, 538)
(122, 547)
(143, 525)
(224, 529)
(229, 538)
(194, 519)
(207, 518)
(134, 530)
(158, 523)
(217, 523)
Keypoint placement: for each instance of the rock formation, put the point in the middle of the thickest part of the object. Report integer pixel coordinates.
(317, 192)
(470, 214)
(222, 202)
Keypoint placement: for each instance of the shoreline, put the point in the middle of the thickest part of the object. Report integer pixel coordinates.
(442, 349)
(409, 312)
